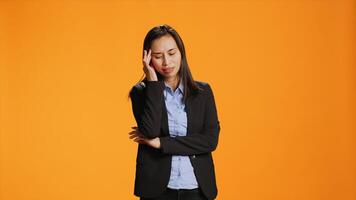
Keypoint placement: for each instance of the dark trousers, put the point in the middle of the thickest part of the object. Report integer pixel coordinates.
(181, 194)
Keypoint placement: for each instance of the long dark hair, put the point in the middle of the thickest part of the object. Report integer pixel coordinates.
(190, 87)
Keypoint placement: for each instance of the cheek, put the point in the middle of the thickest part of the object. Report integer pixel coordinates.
(178, 60)
(156, 64)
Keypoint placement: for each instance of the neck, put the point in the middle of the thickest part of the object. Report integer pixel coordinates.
(172, 82)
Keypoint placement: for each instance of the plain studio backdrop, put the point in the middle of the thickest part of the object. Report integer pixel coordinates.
(283, 75)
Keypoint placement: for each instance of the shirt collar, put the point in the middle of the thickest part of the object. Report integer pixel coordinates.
(180, 86)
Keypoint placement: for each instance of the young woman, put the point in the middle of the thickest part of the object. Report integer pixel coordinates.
(177, 124)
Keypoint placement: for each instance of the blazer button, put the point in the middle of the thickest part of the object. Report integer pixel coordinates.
(193, 156)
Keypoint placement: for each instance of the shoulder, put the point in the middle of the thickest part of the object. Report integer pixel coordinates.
(138, 88)
(204, 86)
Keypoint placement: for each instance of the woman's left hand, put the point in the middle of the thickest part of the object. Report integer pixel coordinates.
(139, 138)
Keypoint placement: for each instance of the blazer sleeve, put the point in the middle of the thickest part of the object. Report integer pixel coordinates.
(196, 143)
(147, 107)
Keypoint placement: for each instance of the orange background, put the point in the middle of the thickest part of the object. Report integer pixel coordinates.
(283, 75)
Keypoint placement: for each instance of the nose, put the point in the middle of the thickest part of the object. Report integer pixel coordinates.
(165, 60)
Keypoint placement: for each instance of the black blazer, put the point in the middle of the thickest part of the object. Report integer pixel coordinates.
(153, 166)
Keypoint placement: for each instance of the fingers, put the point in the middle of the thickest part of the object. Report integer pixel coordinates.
(149, 53)
(146, 57)
(135, 130)
(141, 142)
(136, 134)
(138, 139)
(145, 53)
(133, 136)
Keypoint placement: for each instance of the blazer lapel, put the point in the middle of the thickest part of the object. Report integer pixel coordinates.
(189, 112)
(164, 121)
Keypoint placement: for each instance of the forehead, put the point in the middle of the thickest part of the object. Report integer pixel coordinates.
(164, 43)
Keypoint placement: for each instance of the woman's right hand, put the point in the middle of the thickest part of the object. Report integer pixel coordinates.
(149, 70)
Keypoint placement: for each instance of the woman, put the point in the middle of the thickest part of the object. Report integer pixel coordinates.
(177, 124)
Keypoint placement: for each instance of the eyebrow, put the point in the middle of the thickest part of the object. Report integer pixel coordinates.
(161, 52)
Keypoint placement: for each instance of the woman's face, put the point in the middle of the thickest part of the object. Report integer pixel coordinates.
(165, 56)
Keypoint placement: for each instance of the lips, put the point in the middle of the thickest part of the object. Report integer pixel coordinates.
(168, 70)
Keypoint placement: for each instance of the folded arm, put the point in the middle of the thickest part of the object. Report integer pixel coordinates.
(147, 108)
(196, 143)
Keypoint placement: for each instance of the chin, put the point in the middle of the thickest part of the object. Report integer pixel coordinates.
(171, 75)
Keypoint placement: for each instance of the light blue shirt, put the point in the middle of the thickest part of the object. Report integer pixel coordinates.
(182, 172)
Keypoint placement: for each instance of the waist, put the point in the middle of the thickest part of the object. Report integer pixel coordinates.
(183, 190)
